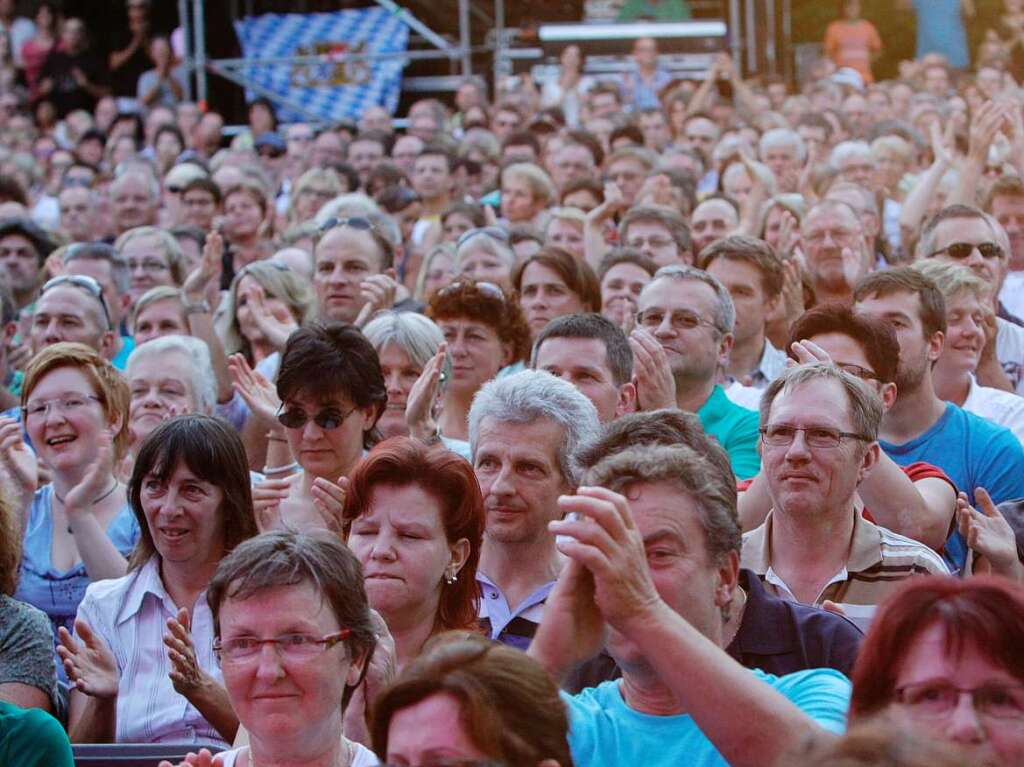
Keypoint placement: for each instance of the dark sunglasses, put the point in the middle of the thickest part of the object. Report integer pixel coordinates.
(962, 250)
(353, 222)
(327, 419)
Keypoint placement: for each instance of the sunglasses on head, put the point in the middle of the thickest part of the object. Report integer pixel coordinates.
(962, 250)
(489, 289)
(88, 284)
(353, 222)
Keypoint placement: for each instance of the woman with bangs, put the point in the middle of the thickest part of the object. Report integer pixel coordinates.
(79, 528)
(552, 283)
(414, 518)
(141, 657)
(943, 660)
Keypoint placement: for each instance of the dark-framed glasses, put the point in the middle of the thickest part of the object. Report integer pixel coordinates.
(962, 250)
(781, 435)
(361, 223)
(680, 319)
(327, 419)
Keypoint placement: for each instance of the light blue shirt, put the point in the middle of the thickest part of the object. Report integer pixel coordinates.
(605, 732)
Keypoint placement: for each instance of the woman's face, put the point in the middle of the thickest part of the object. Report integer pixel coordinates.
(242, 215)
(543, 295)
(184, 517)
(889, 169)
(620, 290)
(290, 703)
(476, 351)
(400, 373)
(990, 741)
(430, 730)
(455, 226)
(64, 419)
(439, 274)
(168, 147)
(248, 291)
(160, 318)
(400, 541)
(161, 388)
(566, 235)
(310, 200)
(328, 453)
(482, 265)
(518, 204)
(147, 263)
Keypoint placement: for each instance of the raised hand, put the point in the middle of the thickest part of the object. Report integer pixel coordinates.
(984, 127)
(419, 405)
(652, 375)
(253, 387)
(208, 272)
(90, 665)
(382, 669)
(808, 351)
(186, 675)
(379, 293)
(266, 502)
(989, 535)
(96, 480)
(18, 467)
(329, 501)
(276, 324)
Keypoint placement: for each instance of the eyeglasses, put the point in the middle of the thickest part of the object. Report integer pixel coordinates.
(815, 436)
(327, 419)
(864, 374)
(294, 647)
(680, 319)
(353, 222)
(654, 242)
(938, 699)
(68, 404)
(487, 288)
(88, 284)
(494, 232)
(963, 250)
(149, 265)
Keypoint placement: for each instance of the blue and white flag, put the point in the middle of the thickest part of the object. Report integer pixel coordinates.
(336, 88)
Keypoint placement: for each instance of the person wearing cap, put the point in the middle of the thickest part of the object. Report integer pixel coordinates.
(23, 249)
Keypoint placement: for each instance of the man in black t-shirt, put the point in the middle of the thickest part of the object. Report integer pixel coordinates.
(72, 77)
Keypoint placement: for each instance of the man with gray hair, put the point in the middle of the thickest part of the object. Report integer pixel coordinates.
(134, 200)
(816, 545)
(110, 270)
(524, 430)
(784, 152)
(691, 314)
(854, 163)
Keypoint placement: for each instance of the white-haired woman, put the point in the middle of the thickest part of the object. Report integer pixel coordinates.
(486, 255)
(154, 258)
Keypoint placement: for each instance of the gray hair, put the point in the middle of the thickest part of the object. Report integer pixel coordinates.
(710, 485)
(138, 169)
(863, 405)
(89, 251)
(480, 239)
(413, 333)
(203, 381)
(529, 396)
(725, 312)
(847, 149)
(783, 137)
(168, 243)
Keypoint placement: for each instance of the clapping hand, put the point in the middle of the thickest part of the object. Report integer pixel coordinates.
(275, 323)
(89, 664)
(18, 466)
(652, 375)
(203, 759)
(253, 387)
(379, 293)
(96, 480)
(186, 675)
(423, 397)
(208, 272)
(989, 535)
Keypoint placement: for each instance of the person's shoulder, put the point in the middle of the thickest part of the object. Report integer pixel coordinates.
(21, 616)
(594, 699)
(821, 693)
(32, 731)
(894, 545)
(992, 435)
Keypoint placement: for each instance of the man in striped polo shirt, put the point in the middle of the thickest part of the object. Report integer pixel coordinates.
(819, 439)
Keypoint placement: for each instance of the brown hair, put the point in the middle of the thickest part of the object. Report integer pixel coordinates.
(10, 544)
(464, 299)
(510, 708)
(111, 387)
(576, 274)
(907, 279)
(751, 250)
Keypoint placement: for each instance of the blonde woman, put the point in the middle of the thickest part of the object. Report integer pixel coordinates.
(436, 271)
(314, 188)
(526, 190)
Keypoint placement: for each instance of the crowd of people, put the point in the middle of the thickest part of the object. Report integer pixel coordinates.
(647, 421)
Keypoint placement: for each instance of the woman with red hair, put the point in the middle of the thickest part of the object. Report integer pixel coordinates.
(944, 659)
(414, 517)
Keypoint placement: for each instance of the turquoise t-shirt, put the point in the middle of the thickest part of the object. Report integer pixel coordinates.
(736, 430)
(127, 347)
(605, 732)
(30, 737)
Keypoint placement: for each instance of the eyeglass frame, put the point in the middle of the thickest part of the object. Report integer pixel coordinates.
(87, 283)
(489, 289)
(700, 321)
(359, 223)
(30, 409)
(900, 693)
(325, 643)
(805, 429)
(1000, 253)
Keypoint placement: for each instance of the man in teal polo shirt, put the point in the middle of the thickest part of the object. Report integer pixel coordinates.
(691, 315)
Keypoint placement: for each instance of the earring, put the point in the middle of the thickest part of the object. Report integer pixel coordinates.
(449, 577)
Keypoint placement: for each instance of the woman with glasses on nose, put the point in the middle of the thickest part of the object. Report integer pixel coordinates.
(79, 528)
(943, 660)
(329, 396)
(294, 638)
(142, 657)
(153, 258)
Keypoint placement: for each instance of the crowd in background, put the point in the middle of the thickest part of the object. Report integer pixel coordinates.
(598, 422)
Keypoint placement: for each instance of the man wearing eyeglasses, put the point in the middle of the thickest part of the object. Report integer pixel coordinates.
(819, 440)
(691, 315)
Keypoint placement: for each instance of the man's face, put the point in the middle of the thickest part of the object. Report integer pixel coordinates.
(1009, 212)
(132, 204)
(629, 175)
(936, 81)
(504, 123)
(583, 362)
(405, 151)
(363, 156)
(520, 478)
(654, 126)
(701, 134)
(645, 51)
(199, 208)
(694, 353)
(654, 240)
(67, 313)
(375, 118)
(858, 169)
(805, 482)
(328, 149)
(684, 574)
(711, 221)
(100, 271)
(973, 231)
(431, 177)
(344, 258)
(76, 214)
(781, 160)
(745, 284)
(21, 263)
(856, 110)
(604, 105)
(902, 310)
(816, 141)
(825, 233)
(570, 162)
(620, 289)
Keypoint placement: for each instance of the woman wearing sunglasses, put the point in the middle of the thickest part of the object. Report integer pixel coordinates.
(79, 528)
(142, 657)
(330, 394)
(294, 636)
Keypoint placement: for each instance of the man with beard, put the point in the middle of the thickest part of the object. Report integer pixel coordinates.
(834, 246)
(919, 426)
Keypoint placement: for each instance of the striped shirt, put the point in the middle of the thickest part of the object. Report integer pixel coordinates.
(130, 614)
(879, 560)
(503, 623)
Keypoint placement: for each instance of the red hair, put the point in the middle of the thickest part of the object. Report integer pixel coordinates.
(983, 612)
(403, 461)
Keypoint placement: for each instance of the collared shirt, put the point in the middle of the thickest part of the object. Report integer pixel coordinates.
(514, 627)
(878, 561)
(130, 614)
(736, 430)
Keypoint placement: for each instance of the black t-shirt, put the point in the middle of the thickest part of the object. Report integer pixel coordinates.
(67, 94)
(125, 79)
